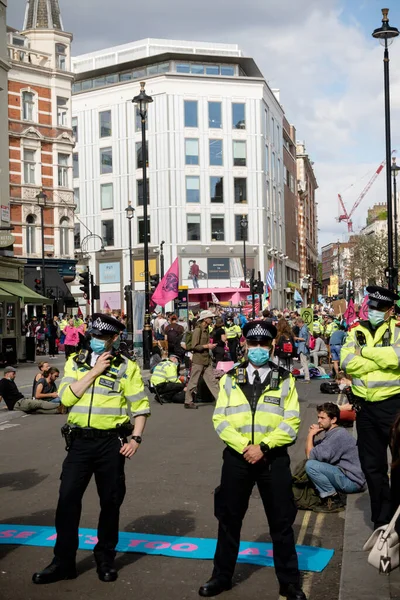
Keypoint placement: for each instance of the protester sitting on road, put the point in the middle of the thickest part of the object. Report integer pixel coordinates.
(333, 464)
(46, 388)
(319, 349)
(345, 398)
(165, 379)
(43, 366)
(8, 388)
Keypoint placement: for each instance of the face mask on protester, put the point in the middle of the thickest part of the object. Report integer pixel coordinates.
(375, 317)
(258, 356)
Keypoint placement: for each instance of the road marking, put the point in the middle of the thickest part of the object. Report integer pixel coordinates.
(308, 578)
(303, 528)
(6, 425)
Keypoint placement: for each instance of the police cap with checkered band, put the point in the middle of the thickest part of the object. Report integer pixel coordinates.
(259, 331)
(380, 297)
(105, 325)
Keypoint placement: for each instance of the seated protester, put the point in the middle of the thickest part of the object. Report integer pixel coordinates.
(345, 398)
(333, 464)
(43, 366)
(319, 349)
(166, 381)
(8, 388)
(46, 388)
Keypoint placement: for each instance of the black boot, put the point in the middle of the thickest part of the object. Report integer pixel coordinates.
(55, 571)
(331, 504)
(214, 586)
(292, 592)
(107, 572)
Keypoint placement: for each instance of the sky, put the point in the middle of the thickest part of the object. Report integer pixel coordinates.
(319, 53)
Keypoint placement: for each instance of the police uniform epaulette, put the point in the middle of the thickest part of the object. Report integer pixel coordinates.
(283, 373)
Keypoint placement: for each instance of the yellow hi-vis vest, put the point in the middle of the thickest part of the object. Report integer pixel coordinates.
(330, 328)
(232, 332)
(110, 400)
(165, 372)
(276, 419)
(375, 366)
(317, 327)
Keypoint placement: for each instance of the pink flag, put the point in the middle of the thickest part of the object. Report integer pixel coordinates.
(167, 289)
(106, 306)
(363, 313)
(350, 313)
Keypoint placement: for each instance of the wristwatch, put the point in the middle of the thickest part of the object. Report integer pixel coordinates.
(137, 439)
(264, 448)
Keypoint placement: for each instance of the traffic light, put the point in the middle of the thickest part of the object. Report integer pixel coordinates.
(84, 282)
(342, 291)
(154, 281)
(127, 294)
(96, 292)
(260, 287)
(38, 286)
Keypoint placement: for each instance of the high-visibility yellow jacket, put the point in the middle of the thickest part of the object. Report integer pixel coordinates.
(373, 365)
(275, 422)
(165, 372)
(330, 328)
(232, 332)
(63, 324)
(110, 400)
(317, 328)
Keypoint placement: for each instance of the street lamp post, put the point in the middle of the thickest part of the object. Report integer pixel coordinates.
(93, 287)
(130, 211)
(41, 198)
(162, 259)
(395, 170)
(385, 34)
(142, 100)
(244, 224)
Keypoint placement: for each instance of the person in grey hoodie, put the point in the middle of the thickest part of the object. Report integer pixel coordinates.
(333, 464)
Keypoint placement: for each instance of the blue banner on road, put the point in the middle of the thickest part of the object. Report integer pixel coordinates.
(257, 553)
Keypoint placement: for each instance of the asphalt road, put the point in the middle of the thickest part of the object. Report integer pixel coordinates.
(170, 485)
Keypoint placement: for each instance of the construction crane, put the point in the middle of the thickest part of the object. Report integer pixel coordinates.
(347, 216)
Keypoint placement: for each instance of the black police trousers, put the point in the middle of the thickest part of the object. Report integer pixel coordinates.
(87, 457)
(274, 481)
(373, 422)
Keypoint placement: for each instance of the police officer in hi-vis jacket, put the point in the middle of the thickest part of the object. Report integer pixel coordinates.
(102, 390)
(257, 416)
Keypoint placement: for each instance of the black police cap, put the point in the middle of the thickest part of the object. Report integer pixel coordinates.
(380, 297)
(105, 324)
(259, 331)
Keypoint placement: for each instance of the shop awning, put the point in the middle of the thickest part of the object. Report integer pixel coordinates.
(5, 297)
(27, 295)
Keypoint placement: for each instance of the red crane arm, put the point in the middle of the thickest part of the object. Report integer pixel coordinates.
(367, 188)
(345, 216)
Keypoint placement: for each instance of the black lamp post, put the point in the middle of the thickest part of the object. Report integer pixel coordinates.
(395, 170)
(162, 259)
(244, 224)
(142, 100)
(94, 289)
(385, 34)
(130, 211)
(41, 198)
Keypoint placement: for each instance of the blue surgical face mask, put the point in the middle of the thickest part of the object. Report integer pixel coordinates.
(375, 317)
(258, 356)
(98, 346)
(117, 343)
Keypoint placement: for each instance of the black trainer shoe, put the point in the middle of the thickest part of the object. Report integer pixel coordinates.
(107, 572)
(331, 504)
(292, 592)
(214, 586)
(55, 571)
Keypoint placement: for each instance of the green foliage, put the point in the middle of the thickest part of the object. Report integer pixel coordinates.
(369, 259)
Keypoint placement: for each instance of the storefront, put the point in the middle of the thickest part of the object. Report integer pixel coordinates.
(15, 298)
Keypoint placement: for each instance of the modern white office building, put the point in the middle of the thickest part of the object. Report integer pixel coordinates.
(215, 153)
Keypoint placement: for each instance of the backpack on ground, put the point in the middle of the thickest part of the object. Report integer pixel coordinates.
(285, 347)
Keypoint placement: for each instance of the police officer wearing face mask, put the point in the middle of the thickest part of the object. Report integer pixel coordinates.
(102, 390)
(371, 355)
(257, 417)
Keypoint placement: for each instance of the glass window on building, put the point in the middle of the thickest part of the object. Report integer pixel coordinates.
(77, 236)
(75, 165)
(106, 196)
(215, 115)
(140, 192)
(216, 158)
(30, 234)
(273, 130)
(75, 128)
(239, 153)
(64, 234)
(192, 189)
(217, 228)
(191, 151)
(106, 165)
(183, 68)
(61, 57)
(241, 233)
(76, 200)
(29, 166)
(11, 320)
(278, 170)
(227, 70)
(238, 115)
(197, 69)
(212, 69)
(105, 123)
(240, 190)
(27, 106)
(62, 111)
(63, 170)
(216, 189)
(193, 228)
(191, 113)
(141, 230)
(266, 166)
(139, 155)
(107, 230)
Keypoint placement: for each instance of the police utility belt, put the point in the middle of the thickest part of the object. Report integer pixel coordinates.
(71, 433)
